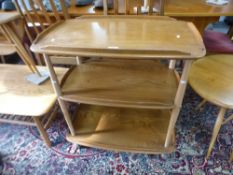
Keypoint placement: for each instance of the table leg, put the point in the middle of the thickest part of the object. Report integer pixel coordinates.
(178, 102)
(42, 131)
(172, 64)
(57, 89)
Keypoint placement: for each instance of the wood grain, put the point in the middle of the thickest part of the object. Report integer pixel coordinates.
(6, 46)
(8, 16)
(212, 78)
(196, 8)
(122, 129)
(126, 83)
(20, 97)
(122, 36)
(176, 8)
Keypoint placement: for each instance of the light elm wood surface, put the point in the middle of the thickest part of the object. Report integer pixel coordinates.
(6, 17)
(20, 97)
(116, 81)
(122, 36)
(125, 83)
(6, 47)
(196, 8)
(171, 8)
(212, 78)
(122, 129)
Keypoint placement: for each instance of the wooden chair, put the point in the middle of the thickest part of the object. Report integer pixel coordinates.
(38, 18)
(11, 36)
(211, 77)
(5, 48)
(135, 7)
(26, 103)
(17, 95)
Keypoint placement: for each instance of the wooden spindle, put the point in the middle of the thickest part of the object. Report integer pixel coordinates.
(150, 5)
(36, 14)
(115, 4)
(54, 9)
(64, 9)
(29, 17)
(127, 7)
(44, 11)
(161, 8)
(105, 6)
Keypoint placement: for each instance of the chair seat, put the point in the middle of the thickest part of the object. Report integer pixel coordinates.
(217, 42)
(20, 97)
(6, 48)
(212, 78)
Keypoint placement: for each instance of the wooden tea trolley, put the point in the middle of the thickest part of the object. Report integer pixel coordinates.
(130, 99)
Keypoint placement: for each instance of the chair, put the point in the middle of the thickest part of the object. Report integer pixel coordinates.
(217, 42)
(11, 34)
(39, 16)
(24, 102)
(211, 77)
(17, 95)
(135, 7)
(5, 48)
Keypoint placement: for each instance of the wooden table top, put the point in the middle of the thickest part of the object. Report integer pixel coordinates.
(196, 8)
(8, 16)
(122, 36)
(212, 78)
(171, 8)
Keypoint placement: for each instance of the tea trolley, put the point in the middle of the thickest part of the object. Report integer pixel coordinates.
(129, 97)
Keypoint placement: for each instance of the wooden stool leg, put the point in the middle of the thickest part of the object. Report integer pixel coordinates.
(42, 131)
(200, 104)
(217, 127)
(51, 117)
(228, 119)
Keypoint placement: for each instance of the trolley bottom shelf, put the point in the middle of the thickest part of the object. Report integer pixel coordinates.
(122, 129)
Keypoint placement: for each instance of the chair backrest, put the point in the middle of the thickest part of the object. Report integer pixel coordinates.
(40, 14)
(134, 7)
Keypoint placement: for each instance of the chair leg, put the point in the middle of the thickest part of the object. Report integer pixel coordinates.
(199, 106)
(42, 131)
(228, 119)
(51, 117)
(217, 127)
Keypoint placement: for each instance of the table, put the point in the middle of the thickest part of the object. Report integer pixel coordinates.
(129, 100)
(12, 29)
(196, 11)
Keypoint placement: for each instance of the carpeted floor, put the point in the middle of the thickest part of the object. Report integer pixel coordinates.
(23, 152)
